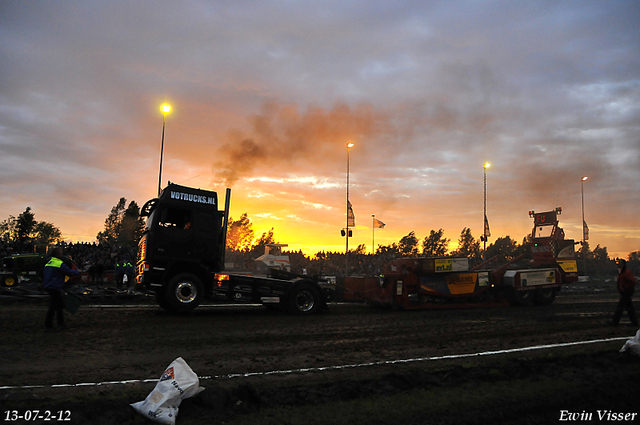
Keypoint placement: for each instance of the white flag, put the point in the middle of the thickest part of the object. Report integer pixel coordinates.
(487, 232)
(351, 218)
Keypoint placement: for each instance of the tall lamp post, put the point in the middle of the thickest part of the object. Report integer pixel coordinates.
(584, 228)
(165, 110)
(486, 232)
(346, 272)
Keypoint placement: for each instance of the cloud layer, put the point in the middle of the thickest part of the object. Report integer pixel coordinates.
(266, 95)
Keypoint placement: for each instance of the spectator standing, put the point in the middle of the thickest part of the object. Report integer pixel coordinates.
(626, 287)
(128, 271)
(119, 273)
(55, 272)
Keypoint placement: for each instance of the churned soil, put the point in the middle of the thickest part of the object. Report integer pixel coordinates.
(354, 364)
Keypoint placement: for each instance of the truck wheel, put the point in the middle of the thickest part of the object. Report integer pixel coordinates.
(523, 297)
(304, 299)
(184, 292)
(545, 296)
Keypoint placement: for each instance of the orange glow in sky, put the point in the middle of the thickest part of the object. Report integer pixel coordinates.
(265, 97)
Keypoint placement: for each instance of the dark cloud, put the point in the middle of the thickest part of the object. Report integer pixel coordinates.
(428, 91)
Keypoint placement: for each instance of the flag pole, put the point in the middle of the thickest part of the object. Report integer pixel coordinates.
(373, 233)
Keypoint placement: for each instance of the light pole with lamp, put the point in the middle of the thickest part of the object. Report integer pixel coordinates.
(584, 228)
(165, 110)
(486, 232)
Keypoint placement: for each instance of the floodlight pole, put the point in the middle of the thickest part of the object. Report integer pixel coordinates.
(584, 239)
(346, 262)
(165, 110)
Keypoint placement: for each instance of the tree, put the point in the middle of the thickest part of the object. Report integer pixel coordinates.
(46, 234)
(122, 225)
(505, 248)
(467, 245)
(435, 245)
(240, 234)
(408, 245)
(257, 246)
(25, 226)
(8, 229)
(603, 266)
(112, 223)
(264, 239)
(360, 250)
(634, 262)
(131, 225)
(26, 230)
(388, 251)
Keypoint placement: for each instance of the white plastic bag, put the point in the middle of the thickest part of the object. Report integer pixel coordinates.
(632, 345)
(176, 383)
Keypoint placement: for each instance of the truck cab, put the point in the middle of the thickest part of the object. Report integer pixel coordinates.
(182, 244)
(181, 257)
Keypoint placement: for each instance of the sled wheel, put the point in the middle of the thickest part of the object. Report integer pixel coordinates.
(545, 296)
(184, 292)
(9, 281)
(523, 297)
(304, 299)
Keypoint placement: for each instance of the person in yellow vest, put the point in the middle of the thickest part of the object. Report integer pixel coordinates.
(53, 282)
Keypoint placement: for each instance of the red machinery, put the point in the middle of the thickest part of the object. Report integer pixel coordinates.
(446, 282)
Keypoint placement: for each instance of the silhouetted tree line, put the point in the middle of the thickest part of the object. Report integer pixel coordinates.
(243, 248)
(117, 242)
(24, 231)
(124, 226)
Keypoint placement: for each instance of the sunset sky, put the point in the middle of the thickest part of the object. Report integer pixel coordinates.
(267, 94)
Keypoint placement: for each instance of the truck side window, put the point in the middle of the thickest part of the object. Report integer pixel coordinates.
(175, 217)
(205, 222)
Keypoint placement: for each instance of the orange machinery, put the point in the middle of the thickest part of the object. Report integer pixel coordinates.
(446, 282)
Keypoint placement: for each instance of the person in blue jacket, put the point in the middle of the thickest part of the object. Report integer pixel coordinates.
(55, 272)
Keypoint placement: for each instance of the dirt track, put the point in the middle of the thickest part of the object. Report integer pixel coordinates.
(122, 343)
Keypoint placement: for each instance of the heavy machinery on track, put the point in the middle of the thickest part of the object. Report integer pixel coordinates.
(18, 268)
(448, 282)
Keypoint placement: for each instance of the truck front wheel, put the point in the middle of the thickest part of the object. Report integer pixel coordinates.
(184, 292)
(304, 299)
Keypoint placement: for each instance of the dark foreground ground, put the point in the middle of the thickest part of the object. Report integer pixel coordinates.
(354, 365)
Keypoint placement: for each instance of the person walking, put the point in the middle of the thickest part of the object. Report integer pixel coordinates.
(54, 275)
(119, 273)
(128, 272)
(626, 287)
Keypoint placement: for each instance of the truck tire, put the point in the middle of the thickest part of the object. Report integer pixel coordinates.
(184, 292)
(304, 299)
(545, 296)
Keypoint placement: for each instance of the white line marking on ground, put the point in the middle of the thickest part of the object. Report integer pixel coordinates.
(325, 368)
